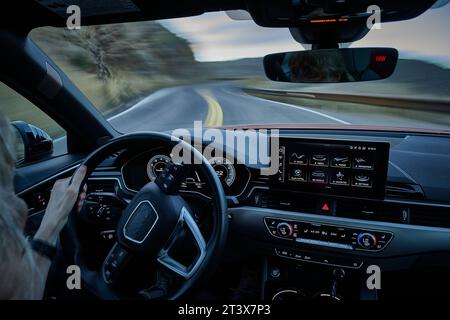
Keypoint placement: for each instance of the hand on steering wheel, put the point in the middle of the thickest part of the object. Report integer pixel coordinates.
(152, 222)
(64, 195)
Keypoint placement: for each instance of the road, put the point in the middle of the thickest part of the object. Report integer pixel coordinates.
(215, 105)
(224, 104)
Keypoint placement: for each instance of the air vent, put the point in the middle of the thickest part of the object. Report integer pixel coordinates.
(404, 190)
(110, 161)
(430, 216)
(386, 211)
(116, 154)
(285, 201)
(109, 186)
(263, 179)
(378, 211)
(354, 209)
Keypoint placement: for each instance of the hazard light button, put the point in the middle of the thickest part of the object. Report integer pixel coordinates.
(325, 207)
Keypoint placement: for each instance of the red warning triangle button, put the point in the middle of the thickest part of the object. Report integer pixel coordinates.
(325, 207)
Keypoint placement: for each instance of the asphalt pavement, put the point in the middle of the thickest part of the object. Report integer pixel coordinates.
(215, 105)
(223, 104)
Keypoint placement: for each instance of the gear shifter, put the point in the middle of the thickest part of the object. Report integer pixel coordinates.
(338, 276)
(327, 296)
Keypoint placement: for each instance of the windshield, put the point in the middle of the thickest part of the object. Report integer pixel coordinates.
(165, 75)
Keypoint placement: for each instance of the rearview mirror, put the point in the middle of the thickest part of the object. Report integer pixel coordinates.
(331, 65)
(33, 143)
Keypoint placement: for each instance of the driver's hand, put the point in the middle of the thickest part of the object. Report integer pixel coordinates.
(63, 197)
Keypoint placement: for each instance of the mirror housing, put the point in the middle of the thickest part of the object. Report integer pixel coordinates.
(310, 13)
(36, 143)
(331, 65)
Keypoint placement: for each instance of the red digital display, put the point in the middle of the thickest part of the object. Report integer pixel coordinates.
(380, 58)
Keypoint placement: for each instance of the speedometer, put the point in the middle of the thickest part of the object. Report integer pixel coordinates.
(156, 165)
(224, 170)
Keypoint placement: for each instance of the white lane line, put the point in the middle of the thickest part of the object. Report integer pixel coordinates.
(293, 106)
(154, 96)
(162, 92)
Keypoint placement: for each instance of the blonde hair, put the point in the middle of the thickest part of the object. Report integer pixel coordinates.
(16, 258)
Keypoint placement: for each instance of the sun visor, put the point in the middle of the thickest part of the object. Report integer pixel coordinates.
(90, 8)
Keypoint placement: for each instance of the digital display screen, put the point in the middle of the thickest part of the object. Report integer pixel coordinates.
(334, 167)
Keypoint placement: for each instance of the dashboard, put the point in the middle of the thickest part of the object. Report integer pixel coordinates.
(333, 167)
(348, 199)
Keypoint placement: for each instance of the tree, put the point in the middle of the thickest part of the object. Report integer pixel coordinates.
(96, 41)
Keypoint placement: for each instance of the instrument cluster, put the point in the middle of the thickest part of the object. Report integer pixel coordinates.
(146, 167)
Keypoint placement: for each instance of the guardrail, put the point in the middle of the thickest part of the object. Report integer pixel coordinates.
(389, 101)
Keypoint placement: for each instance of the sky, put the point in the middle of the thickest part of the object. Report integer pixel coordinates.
(216, 37)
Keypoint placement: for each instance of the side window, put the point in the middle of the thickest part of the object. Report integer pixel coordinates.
(27, 118)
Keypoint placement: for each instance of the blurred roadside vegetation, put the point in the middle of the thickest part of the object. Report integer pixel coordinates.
(16, 107)
(391, 115)
(113, 65)
(116, 64)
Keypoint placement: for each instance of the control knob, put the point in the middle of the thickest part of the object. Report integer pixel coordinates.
(367, 240)
(284, 229)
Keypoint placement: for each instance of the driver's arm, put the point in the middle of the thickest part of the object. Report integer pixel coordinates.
(63, 197)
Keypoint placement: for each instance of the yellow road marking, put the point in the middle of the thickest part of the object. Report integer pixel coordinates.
(214, 118)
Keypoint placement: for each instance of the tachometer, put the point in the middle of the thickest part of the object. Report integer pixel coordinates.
(156, 165)
(225, 170)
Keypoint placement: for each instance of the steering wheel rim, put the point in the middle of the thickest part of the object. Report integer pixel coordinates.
(91, 278)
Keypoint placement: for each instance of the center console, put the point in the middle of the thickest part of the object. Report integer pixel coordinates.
(326, 235)
(300, 220)
(311, 172)
(333, 167)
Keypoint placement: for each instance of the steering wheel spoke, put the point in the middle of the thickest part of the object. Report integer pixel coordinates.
(149, 226)
(186, 223)
(170, 179)
(114, 263)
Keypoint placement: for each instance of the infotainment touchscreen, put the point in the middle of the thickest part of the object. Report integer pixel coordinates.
(333, 167)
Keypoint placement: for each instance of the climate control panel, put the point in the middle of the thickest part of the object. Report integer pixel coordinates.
(328, 235)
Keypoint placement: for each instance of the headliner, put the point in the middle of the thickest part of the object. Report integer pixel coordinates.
(24, 15)
(29, 14)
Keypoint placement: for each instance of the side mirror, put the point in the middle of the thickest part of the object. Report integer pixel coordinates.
(331, 65)
(33, 143)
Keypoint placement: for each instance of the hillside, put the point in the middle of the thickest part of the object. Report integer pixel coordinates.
(116, 64)
(412, 78)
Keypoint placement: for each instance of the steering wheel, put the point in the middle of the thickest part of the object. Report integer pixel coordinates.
(152, 222)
